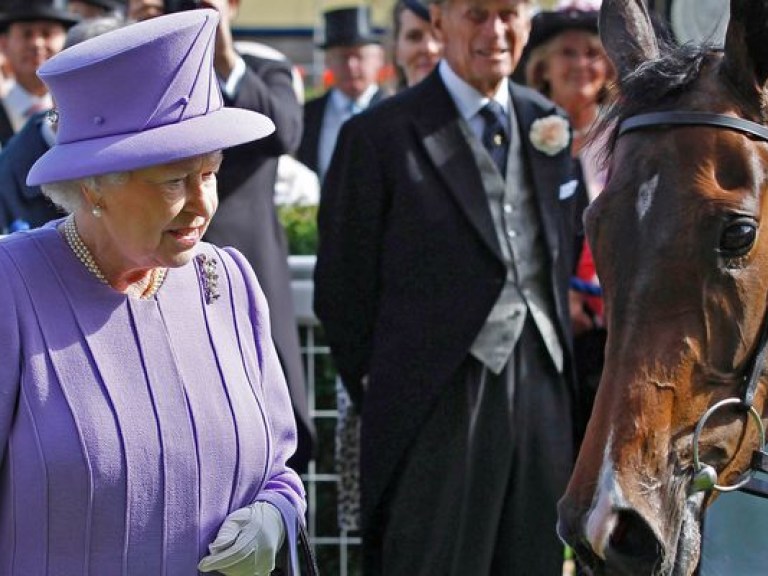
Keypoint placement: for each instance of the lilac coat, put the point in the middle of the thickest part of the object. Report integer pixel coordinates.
(130, 428)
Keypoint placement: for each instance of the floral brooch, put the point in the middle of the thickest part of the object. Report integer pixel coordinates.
(550, 135)
(209, 275)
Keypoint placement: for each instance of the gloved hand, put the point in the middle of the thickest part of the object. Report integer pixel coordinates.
(247, 542)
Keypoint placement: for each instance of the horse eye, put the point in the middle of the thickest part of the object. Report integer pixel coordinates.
(738, 237)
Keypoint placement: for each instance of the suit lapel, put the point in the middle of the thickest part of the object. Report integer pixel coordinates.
(444, 136)
(378, 97)
(545, 170)
(309, 151)
(6, 128)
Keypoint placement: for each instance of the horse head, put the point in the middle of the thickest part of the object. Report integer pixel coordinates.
(681, 246)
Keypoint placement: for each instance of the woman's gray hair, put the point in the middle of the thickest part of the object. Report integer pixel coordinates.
(68, 194)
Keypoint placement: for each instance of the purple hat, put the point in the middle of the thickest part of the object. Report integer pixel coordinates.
(142, 95)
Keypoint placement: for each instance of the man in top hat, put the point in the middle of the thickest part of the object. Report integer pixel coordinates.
(354, 56)
(23, 206)
(446, 248)
(31, 31)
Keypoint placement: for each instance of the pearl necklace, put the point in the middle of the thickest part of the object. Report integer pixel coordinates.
(84, 255)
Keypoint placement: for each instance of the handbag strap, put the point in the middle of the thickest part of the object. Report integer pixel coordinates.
(306, 548)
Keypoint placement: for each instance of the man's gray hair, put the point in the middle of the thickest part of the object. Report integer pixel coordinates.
(92, 27)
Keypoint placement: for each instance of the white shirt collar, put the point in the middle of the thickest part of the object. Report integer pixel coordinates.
(341, 101)
(230, 85)
(468, 100)
(18, 100)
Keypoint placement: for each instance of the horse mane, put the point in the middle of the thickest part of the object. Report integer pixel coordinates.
(654, 85)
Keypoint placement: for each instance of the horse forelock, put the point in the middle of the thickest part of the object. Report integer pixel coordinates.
(654, 85)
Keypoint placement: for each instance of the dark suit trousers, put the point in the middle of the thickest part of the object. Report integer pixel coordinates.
(477, 493)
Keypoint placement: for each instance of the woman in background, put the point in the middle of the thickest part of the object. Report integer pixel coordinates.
(416, 50)
(566, 62)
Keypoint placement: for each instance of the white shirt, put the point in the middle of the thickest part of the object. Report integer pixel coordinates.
(469, 101)
(18, 101)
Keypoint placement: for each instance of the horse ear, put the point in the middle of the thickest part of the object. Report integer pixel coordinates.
(746, 58)
(627, 34)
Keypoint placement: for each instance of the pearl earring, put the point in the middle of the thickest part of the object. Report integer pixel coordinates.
(96, 211)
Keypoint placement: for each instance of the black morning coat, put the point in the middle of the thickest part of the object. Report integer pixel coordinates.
(409, 264)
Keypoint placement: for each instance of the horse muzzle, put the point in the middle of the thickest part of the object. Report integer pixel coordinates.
(625, 544)
(620, 542)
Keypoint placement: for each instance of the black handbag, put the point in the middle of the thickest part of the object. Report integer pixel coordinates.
(306, 557)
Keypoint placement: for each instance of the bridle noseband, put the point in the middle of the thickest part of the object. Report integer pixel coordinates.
(705, 475)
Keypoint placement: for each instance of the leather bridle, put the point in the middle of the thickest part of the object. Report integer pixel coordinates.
(705, 475)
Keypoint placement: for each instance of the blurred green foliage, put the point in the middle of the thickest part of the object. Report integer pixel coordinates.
(300, 224)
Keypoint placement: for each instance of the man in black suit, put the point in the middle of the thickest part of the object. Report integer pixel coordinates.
(31, 31)
(446, 245)
(23, 206)
(354, 58)
(246, 217)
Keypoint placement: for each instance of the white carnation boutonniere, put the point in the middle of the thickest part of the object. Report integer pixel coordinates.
(550, 135)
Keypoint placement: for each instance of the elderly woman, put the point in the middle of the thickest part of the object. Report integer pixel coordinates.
(145, 422)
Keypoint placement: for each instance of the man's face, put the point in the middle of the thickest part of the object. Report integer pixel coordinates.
(27, 45)
(354, 68)
(483, 39)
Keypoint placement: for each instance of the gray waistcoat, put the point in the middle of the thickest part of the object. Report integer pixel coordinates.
(518, 229)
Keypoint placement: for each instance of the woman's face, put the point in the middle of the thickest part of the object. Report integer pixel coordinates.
(156, 216)
(416, 48)
(577, 69)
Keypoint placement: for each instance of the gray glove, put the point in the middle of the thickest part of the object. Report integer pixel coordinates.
(247, 542)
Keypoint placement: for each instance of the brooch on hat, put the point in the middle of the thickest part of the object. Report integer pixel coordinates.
(550, 135)
(209, 275)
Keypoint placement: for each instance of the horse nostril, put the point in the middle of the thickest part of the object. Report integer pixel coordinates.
(633, 547)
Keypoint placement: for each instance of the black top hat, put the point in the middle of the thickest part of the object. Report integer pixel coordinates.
(548, 24)
(32, 10)
(349, 27)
